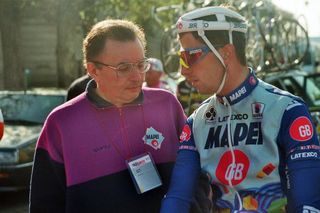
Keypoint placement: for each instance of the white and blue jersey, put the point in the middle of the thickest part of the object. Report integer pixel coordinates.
(260, 148)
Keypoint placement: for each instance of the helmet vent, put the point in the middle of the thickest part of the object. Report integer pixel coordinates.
(232, 19)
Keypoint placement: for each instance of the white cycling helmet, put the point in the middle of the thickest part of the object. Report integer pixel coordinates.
(226, 19)
(224, 16)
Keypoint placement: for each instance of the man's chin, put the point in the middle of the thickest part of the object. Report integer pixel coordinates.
(132, 94)
(134, 90)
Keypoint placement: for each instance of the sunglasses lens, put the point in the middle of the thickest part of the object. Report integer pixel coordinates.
(183, 59)
(188, 58)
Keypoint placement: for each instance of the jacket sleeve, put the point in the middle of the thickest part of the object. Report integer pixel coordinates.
(301, 157)
(185, 175)
(47, 193)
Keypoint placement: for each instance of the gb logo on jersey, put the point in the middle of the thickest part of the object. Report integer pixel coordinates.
(301, 129)
(235, 172)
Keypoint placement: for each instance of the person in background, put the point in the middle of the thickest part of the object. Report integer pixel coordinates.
(78, 86)
(256, 142)
(113, 147)
(155, 77)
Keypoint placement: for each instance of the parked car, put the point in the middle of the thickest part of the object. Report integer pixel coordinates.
(24, 114)
(303, 84)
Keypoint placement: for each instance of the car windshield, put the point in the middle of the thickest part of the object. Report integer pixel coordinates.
(311, 84)
(28, 108)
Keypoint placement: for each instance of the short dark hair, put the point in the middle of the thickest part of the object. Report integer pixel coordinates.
(111, 29)
(220, 38)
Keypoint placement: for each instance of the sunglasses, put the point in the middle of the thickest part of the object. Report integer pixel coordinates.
(191, 56)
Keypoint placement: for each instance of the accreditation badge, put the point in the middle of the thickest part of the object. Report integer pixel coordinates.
(144, 173)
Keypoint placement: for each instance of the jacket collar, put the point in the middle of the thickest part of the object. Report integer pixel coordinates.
(100, 102)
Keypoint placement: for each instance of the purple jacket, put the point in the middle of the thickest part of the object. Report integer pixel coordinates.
(80, 155)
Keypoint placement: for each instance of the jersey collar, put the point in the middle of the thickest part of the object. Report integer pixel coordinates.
(243, 90)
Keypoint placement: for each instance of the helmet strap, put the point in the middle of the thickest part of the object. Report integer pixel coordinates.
(205, 39)
(223, 81)
(203, 36)
(230, 37)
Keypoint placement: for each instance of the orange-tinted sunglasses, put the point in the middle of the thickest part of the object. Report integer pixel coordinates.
(190, 56)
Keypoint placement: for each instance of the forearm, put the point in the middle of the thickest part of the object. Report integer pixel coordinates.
(183, 182)
(304, 191)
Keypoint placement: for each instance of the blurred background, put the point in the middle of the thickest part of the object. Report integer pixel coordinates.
(41, 47)
(41, 40)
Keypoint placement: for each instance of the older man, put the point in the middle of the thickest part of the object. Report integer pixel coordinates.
(112, 148)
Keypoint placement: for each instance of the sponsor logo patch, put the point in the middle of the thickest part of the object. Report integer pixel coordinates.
(186, 133)
(238, 93)
(305, 155)
(236, 172)
(252, 80)
(301, 129)
(257, 110)
(179, 25)
(210, 115)
(153, 138)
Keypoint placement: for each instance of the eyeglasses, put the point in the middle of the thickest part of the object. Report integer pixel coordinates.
(191, 56)
(124, 69)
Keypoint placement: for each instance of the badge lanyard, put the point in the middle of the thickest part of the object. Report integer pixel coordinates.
(124, 133)
(142, 168)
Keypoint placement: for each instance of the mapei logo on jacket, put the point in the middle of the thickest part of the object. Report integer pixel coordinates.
(186, 133)
(301, 129)
(210, 115)
(257, 110)
(153, 138)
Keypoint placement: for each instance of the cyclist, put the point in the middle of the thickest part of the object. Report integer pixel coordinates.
(112, 148)
(257, 143)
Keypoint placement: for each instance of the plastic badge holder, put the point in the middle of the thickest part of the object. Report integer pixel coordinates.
(144, 173)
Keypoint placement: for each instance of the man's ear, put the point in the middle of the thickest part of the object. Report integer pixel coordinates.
(227, 52)
(92, 70)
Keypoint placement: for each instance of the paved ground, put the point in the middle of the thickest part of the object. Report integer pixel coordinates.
(14, 202)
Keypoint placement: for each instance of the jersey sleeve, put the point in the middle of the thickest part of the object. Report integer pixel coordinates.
(184, 176)
(301, 159)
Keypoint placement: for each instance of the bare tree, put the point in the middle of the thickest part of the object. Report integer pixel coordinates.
(69, 45)
(9, 27)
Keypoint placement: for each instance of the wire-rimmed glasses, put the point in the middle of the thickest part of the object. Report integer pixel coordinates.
(124, 69)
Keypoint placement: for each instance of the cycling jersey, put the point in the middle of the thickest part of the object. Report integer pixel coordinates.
(273, 159)
(80, 160)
